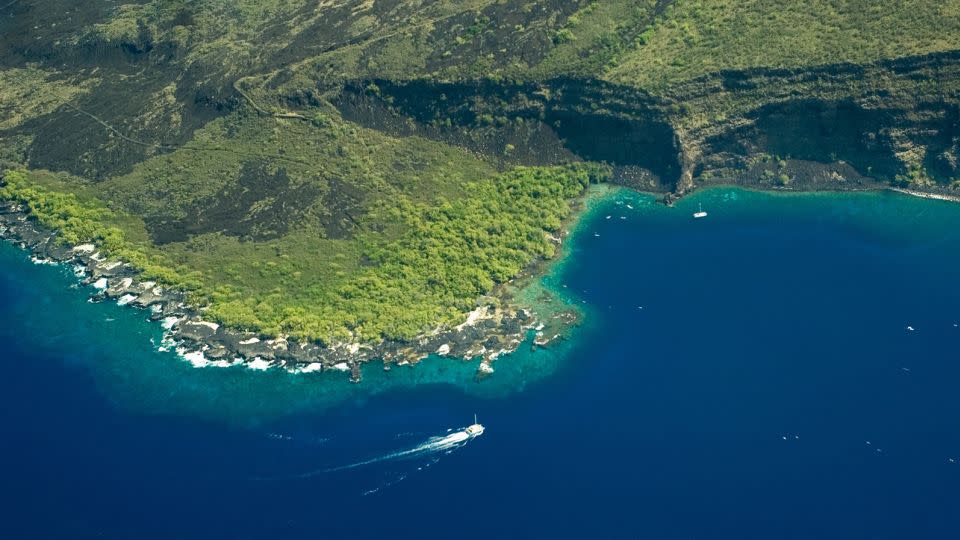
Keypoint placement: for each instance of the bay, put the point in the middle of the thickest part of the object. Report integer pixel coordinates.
(748, 375)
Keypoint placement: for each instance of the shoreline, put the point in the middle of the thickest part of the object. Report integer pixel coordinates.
(926, 195)
(498, 326)
(524, 309)
(871, 188)
(556, 310)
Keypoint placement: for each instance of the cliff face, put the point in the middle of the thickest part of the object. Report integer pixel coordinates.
(530, 123)
(515, 82)
(893, 121)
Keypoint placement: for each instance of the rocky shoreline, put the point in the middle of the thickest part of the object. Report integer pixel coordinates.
(939, 196)
(489, 332)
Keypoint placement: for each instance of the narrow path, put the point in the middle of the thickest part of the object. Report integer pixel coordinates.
(349, 44)
(172, 147)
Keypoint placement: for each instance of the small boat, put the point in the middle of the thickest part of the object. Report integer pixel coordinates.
(475, 429)
(700, 213)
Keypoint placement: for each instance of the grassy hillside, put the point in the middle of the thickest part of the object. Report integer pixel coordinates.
(696, 37)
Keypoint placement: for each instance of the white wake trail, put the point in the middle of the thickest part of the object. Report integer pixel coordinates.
(431, 449)
(432, 445)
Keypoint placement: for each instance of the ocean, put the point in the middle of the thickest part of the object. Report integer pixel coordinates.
(785, 368)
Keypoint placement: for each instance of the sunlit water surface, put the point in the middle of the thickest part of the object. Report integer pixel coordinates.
(747, 375)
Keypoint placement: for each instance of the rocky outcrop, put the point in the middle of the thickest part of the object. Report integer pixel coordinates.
(885, 121)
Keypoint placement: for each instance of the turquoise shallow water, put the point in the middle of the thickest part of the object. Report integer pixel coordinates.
(750, 375)
(118, 345)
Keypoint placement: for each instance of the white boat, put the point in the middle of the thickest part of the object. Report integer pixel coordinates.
(701, 213)
(475, 429)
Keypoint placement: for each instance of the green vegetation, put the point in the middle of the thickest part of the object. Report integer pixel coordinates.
(697, 37)
(30, 92)
(309, 158)
(80, 221)
(448, 256)
(596, 36)
(432, 274)
(263, 155)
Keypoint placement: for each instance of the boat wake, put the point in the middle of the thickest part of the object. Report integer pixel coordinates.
(432, 446)
(413, 459)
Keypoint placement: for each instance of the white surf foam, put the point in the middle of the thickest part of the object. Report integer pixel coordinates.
(310, 368)
(199, 360)
(196, 358)
(169, 322)
(259, 364)
(38, 260)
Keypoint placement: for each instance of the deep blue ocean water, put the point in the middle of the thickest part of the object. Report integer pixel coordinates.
(749, 375)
